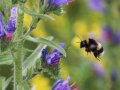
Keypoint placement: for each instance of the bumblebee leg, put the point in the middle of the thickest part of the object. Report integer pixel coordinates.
(98, 58)
(90, 52)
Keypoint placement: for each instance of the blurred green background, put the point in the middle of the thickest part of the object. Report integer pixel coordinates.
(86, 70)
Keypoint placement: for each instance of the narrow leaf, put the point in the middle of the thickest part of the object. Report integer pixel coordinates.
(6, 59)
(47, 42)
(2, 79)
(46, 17)
(7, 82)
(42, 16)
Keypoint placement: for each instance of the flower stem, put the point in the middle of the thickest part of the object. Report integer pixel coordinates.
(19, 45)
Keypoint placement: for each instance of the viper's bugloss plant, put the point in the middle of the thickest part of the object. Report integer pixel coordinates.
(26, 63)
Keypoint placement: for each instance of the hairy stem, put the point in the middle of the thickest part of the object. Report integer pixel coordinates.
(18, 55)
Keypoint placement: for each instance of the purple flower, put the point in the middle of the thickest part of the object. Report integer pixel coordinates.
(60, 85)
(44, 54)
(109, 36)
(13, 11)
(54, 57)
(2, 33)
(116, 38)
(11, 25)
(113, 75)
(98, 70)
(96, 5)
(60, 2)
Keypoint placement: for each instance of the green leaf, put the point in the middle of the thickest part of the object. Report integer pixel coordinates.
(46, 17)
(41, 16)
(4, 83)
(23, 86)
(31, 60)
(47, 42)
(6, 59)
(26, 86)
(14, 1)
(7, 82)
(2, 79)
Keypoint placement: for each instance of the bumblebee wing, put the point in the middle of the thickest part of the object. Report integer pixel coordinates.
(90, 35)
(93, 36)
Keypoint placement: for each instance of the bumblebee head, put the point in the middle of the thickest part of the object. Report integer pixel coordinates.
(82, 44)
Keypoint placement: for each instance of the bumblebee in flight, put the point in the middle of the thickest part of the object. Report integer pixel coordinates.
(93, 46)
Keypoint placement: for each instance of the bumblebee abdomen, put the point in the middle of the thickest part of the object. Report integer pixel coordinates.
(99, 52)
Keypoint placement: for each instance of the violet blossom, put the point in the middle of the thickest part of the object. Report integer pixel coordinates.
(2, 32)
(98, 70)
(109, 36)
(60, 85)
(11, 25)
(113, 75)
(53, 58)
(96, 5)
(59, 2)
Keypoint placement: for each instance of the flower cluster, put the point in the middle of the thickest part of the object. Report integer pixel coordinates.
(53, 58)
(54, 6)
(98, 70)
(109, 36)
(113, 75)
(59, 2)
(96, 5)
(10, 28)
(60, 85)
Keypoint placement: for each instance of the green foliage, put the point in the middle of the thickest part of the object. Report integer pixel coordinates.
(6, 59)
(5, 82)
(14, 1)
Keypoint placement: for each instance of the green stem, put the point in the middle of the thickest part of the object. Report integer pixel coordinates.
(33, 25)
(19, 45)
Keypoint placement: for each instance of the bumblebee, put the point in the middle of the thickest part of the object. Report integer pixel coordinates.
(93, 46)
